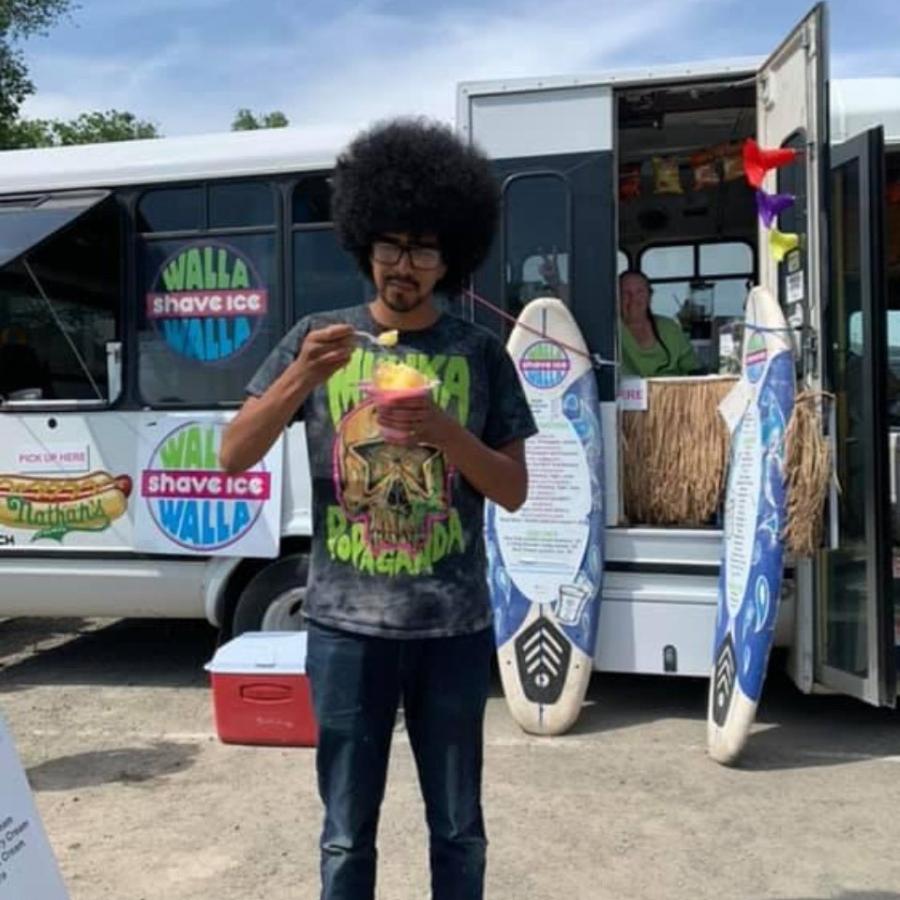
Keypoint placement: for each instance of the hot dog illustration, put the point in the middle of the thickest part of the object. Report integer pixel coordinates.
(52, 507)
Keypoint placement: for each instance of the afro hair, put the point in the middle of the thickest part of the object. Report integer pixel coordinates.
(416, 176)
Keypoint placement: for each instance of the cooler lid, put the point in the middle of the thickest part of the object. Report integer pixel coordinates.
(277, 652)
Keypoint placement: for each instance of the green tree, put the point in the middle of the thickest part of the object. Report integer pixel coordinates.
(94, 128)
(245, 120)
(23, 133)
(20, 19)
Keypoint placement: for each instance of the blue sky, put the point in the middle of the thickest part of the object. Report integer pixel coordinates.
(334, 66)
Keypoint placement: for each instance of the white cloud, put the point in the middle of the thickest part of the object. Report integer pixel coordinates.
(387, 66)
(82, 83)
(360, 64)
(334, 69)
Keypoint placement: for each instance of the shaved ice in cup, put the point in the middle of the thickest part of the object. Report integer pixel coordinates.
(393, 381)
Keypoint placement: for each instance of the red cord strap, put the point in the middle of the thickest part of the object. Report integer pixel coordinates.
(595, 359)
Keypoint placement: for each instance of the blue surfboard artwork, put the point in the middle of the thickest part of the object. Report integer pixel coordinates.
(545, 561)
(758, 410)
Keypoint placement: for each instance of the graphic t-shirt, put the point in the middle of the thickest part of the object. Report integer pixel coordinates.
(398, 545)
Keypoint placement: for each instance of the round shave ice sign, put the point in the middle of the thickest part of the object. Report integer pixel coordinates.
(545, 365)
(192, 502)
(756, 357)
(207, 301)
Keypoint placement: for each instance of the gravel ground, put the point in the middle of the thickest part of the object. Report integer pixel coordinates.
(141, 801)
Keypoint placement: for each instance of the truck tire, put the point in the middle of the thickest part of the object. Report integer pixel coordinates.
(273, 598)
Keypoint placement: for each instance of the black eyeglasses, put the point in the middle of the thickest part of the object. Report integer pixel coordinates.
(420, 257)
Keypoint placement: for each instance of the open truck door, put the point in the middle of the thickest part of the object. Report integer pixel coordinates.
(832, 288)
(855, 646)
(791, 111)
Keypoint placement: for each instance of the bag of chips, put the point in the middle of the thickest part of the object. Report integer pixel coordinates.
(893, 233)
(629, 182)
(703, 165)
(666, 177)
(893, 194)
(893, 223)
(732, 161)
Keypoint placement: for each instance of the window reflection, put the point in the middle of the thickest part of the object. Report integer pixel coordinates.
(326, 277)
(171, 209)
(241, 204)
(59, 338)
(312, 201)
(537, 240)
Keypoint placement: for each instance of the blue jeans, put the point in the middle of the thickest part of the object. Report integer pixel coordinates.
(357, 685)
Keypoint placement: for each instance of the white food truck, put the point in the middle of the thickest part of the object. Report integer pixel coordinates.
(142, 283)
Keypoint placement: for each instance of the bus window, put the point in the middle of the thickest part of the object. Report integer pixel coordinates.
(325, 276)
(668, 297)
(550, 269)
(60, 314)
(727, 258)
(893, 285)
(241, 204)
(537, 238)
(670, 271)
(668, 262)
(727, 267)
(172, 209)
(701, 286)
(312, 201)
(690, 280)
(210, 302)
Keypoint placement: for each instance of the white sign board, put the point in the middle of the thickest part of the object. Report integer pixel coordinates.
(28, 869)
(186, 504)
(632, 394)
(53, 459)
(543, 543)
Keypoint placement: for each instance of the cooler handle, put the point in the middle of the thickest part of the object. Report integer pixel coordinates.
(266, 693)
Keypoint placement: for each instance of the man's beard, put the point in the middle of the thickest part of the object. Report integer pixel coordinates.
(407, 301)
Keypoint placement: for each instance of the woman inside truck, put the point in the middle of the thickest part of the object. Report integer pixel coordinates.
(651, 345)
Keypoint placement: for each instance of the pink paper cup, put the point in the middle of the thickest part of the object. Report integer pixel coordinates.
(383, 397)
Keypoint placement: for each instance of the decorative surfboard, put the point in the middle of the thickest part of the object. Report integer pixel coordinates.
(546, 560)
(757, 411)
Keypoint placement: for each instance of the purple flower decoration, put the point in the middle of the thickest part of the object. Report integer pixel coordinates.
(770, 205)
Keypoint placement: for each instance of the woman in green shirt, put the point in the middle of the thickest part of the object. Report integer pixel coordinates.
(651, 345)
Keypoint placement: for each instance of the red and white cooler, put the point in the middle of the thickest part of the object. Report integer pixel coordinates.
(260, 690)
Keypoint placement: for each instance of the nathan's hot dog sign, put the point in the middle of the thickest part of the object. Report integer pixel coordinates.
(50, 508)
(187, 504)
(207, 301)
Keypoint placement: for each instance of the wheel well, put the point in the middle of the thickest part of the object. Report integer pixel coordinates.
(244, 572)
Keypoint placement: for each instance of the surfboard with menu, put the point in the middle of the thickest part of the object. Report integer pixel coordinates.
(757, 411)
(546, 560)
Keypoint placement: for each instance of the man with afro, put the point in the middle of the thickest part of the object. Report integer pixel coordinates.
(397, 603)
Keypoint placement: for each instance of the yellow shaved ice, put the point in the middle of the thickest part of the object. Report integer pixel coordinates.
(397, 376)
(388, 338)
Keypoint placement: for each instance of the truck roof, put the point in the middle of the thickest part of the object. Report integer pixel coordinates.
(230, 154)
(702, 70)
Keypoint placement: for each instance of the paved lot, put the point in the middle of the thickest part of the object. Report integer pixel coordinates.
(141, 801)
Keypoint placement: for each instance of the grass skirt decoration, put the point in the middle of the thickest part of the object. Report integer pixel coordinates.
(675, 453)
(675, 459)
(808, 468)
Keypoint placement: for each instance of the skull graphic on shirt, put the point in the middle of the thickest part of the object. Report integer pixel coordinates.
(397, 492)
